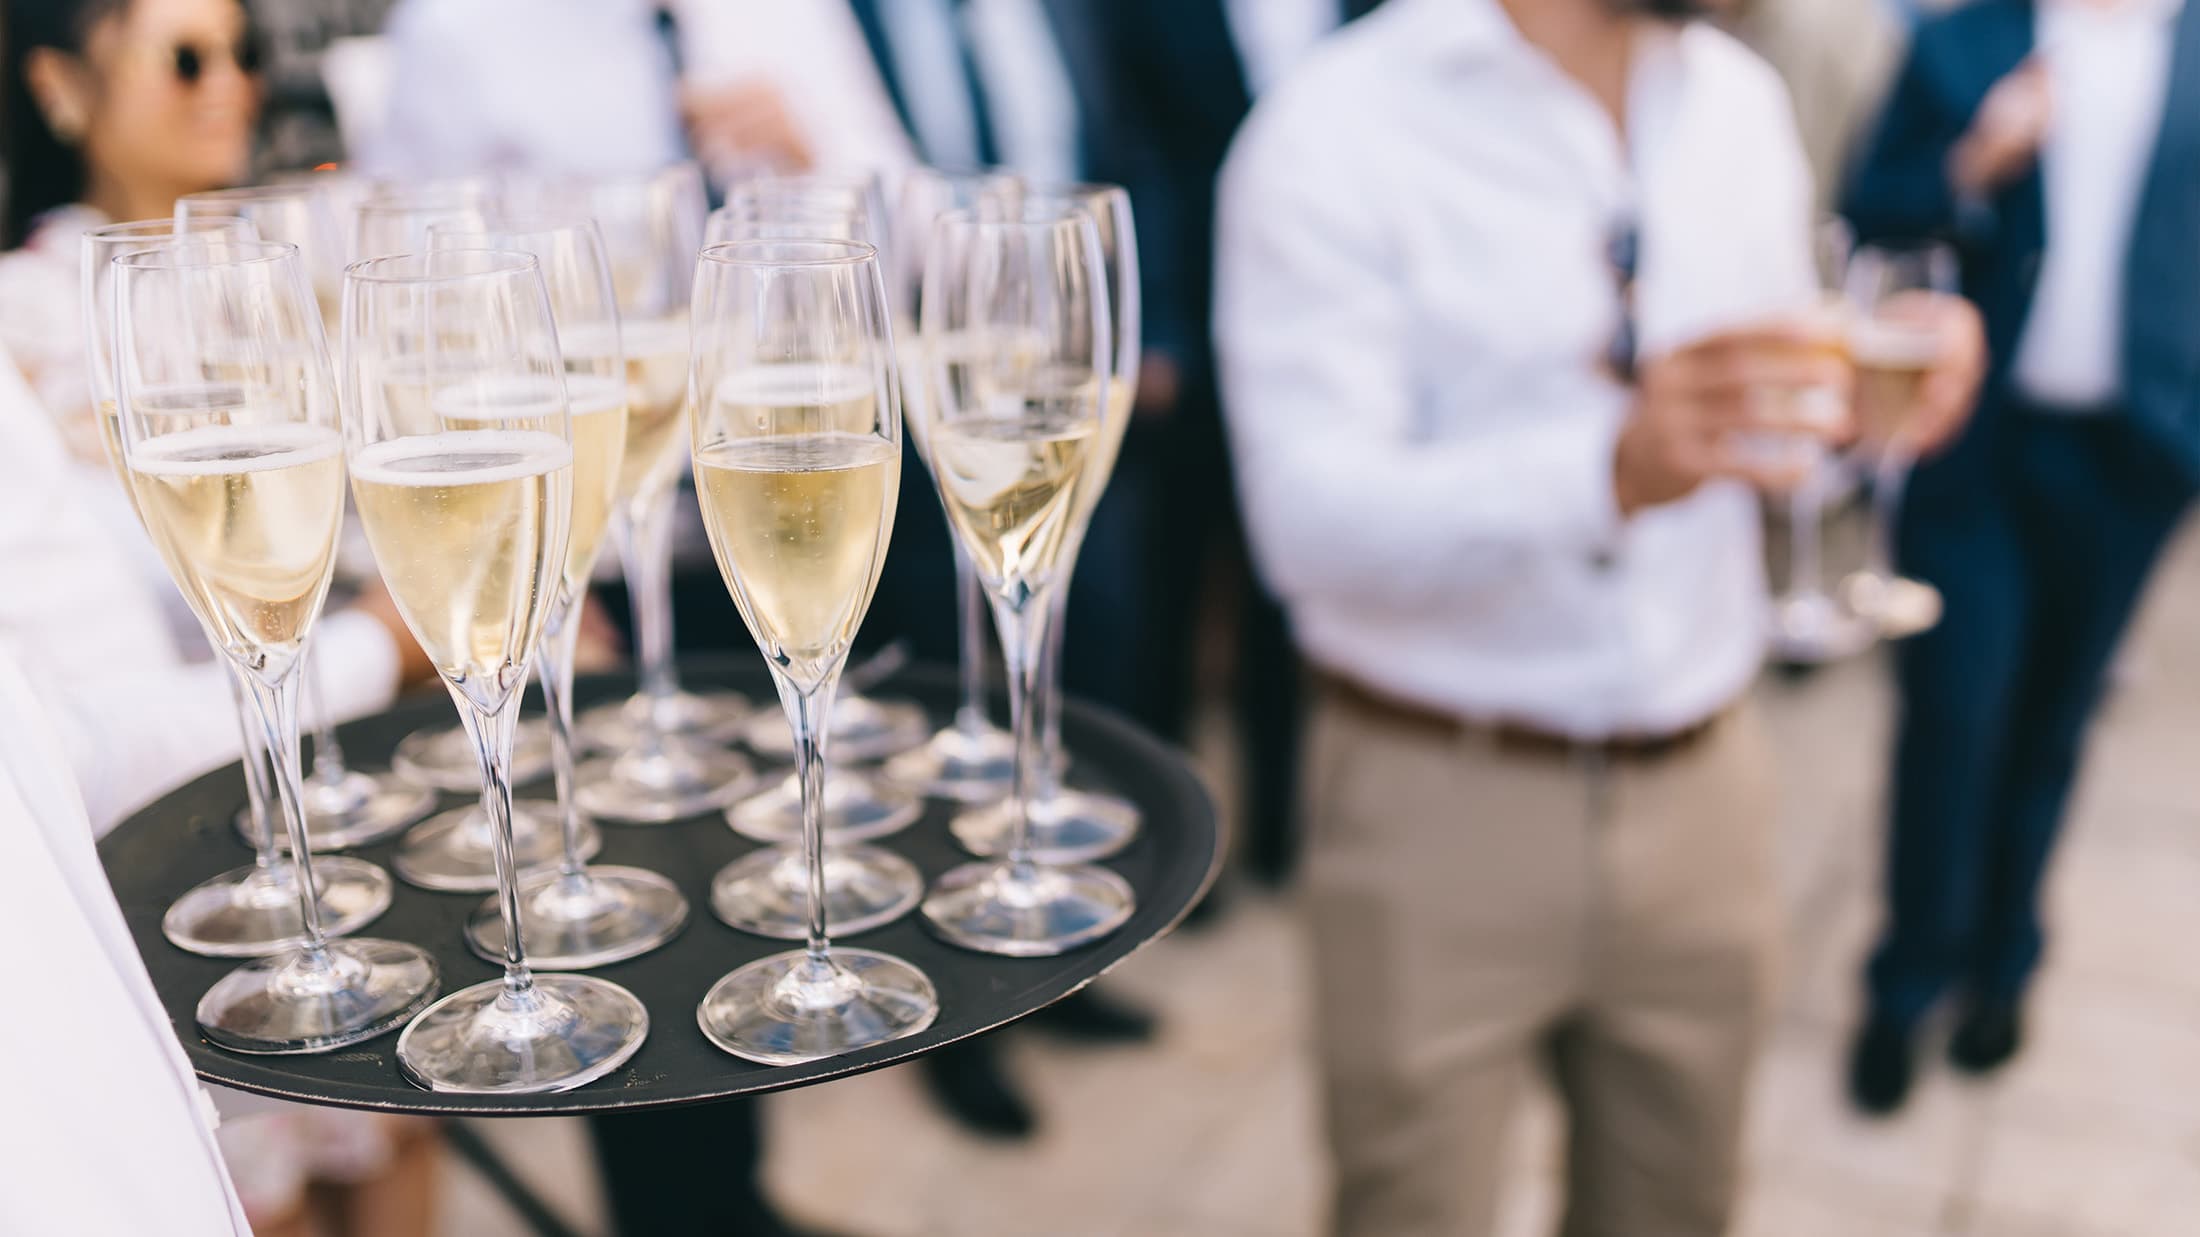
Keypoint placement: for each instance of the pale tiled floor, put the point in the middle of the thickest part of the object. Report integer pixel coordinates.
(2095, 1132)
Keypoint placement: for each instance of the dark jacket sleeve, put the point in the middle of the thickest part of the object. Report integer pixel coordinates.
(1900, 190)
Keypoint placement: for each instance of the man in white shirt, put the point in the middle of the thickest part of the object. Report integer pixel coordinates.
(1530, 586)
(2058, 142)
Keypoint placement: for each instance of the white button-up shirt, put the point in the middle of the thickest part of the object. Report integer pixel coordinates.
(2108, 75)
(1414, 296)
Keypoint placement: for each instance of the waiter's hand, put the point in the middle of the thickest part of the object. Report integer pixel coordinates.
(745, 123)
(2006, 134)
(1692, 404)
(1950, 388)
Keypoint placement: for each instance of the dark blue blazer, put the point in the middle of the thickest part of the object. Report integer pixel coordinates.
(1900, 191)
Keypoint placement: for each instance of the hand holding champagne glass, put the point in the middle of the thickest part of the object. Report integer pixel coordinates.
(461, 446)
(1016, 411)
(229, 432)
(797, 443)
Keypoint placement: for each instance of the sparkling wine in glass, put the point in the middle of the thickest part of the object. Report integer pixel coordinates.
(797, 454)
(228, 419)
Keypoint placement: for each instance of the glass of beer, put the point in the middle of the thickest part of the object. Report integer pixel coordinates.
(797, 455)
(460, 440)
(229, 434)
(1894, 345)
(1017, 410)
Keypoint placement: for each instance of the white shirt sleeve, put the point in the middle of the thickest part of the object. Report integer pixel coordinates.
(1313, 331)
(815, 53)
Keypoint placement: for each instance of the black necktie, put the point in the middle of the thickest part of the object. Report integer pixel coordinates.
(981, 110)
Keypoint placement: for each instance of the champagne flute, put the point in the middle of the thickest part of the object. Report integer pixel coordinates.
(250, 911)
(670, 762)
(1809, 627)
(577, 916)
(345, 807)
(1073, 826)
(461, 446)
(797, 451)
(1894, 347)
(969, 760)
(229, 431)
(1016, 408)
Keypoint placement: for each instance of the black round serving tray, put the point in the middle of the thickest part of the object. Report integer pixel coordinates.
(187, 837)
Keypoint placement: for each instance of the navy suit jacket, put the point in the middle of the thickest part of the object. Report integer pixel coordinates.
(1900, 191)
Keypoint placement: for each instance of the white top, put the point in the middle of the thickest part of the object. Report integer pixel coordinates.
(2108, 74)
(84, 620)
(579, 86)
(1413, 299)
(104, 1133)
(815, 52)
(1032, 104)
(1273, 35)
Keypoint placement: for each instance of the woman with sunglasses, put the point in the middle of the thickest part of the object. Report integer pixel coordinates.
(113, 109)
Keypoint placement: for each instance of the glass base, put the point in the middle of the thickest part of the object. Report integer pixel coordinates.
(566, 1031)
(1040, 912)
(856, 809)
(446, 759)
(1811, 629)
(967, 766)
(610, 915)
(1900, 606)
(704, 717)
(790, 1008)
(453, 852)
(247, 913)
(355, 810)
(861, 728)
(683, 780)
(1067, 826)
(281, 1005)
(768, 892)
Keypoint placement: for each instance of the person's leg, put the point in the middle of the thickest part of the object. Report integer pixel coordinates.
(2095, 541)
(1269, 711)
(1953, 689)
(1191, 462)
(1443, 886)
(684, 1172)
(1655, 1068)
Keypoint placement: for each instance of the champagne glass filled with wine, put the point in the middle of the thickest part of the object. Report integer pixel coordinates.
(1017, 408)
(970, 760)
(575, 916)
(797, 453)
(1893, 340)
(1075, 825)
(668, 758)
(345, 807)
(461, 446)
(229, 432)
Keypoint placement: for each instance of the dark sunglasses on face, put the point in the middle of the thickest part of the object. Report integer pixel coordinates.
(192, 59)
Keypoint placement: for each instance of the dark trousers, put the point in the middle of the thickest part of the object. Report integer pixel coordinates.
(2040, 537)
(682, 1172)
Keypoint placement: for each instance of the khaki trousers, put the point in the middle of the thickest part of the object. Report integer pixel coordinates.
(1479, 911)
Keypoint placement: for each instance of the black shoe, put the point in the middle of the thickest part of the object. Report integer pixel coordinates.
(1990, 1034)
(967, 1081)
(1880, 1067)
(1096, 1018)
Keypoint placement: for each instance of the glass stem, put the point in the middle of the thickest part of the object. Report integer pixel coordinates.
(970, 603)
(492, 730)
(1049, 700)
(328, 755)
(259, 794)
(1023, 623)
(809, 712)
(277, 704)
(561, 638)
(1887, 481)
(647, 552)
(1805, 502)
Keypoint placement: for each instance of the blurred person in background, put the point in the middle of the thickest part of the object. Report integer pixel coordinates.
(1500, 285)
(113, 108)
(2058, 144)
(1181, 98)
(1837, 57)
